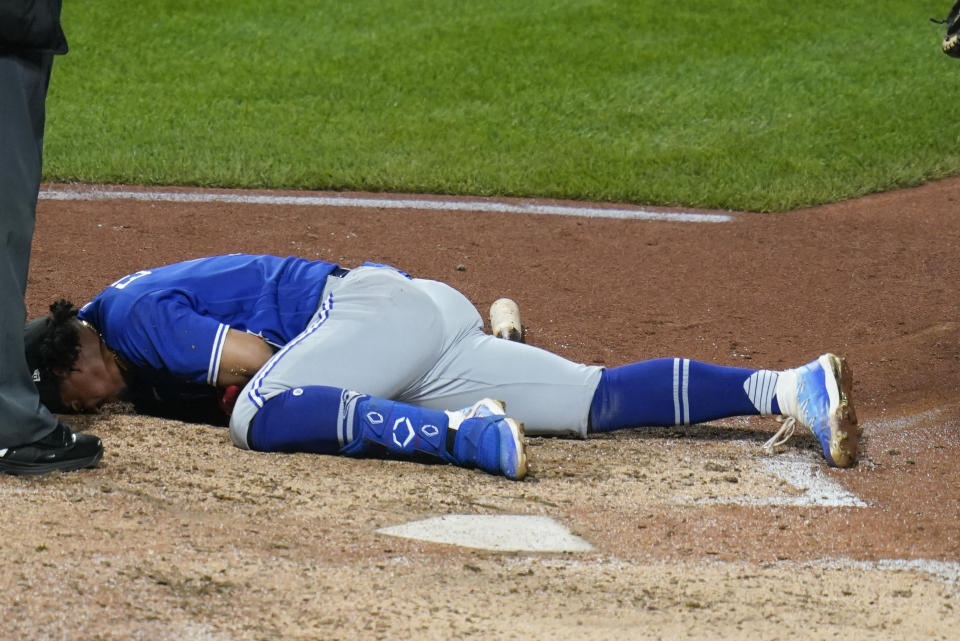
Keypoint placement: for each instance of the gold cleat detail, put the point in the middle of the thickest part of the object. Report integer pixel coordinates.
(522, 469)
(845, 433)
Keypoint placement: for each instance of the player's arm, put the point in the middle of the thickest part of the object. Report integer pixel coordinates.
(164, 335)
(243, 354)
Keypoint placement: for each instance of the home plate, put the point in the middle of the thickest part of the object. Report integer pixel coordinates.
(504, 533)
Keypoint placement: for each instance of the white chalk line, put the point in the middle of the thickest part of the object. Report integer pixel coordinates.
(382, 203)
(942, 571)
(802, 472)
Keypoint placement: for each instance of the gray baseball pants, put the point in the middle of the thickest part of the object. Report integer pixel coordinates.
(420, 341)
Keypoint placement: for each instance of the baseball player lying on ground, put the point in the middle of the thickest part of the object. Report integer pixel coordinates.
(338, 361)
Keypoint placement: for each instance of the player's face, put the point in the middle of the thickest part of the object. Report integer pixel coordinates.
(87, 389)
(95, 378)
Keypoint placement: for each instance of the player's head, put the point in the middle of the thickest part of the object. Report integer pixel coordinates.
(73, 369)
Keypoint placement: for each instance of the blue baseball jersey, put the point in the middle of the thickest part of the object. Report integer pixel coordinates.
(169, 323)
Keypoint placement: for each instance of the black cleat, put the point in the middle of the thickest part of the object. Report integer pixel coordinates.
(61, 450)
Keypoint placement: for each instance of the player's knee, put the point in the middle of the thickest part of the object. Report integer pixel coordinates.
(304, 419)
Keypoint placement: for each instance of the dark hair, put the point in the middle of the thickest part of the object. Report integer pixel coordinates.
(52, 344)
(60, 346)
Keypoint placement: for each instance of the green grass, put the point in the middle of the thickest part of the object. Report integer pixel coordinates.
(743, 105)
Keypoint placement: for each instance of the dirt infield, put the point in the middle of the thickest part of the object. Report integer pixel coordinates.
(177, 535)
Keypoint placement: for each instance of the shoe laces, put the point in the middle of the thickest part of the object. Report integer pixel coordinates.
(794, 411)
(788, 427)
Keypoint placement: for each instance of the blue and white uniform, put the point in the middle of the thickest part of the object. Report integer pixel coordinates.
(376, 332)
(169, 323)
(373, 329)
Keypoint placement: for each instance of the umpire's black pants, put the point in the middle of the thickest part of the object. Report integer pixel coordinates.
(24, 78)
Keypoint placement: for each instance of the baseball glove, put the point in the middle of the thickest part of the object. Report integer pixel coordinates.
(951, 41)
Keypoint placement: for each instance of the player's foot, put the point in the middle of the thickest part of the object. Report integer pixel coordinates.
(487, 439)
(61, 450)
(483, 407)
(818, 396)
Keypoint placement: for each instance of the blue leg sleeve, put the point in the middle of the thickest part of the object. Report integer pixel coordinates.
(329, 420)
(486, 442)
(301, 420)
(403, 429)
(677, 391)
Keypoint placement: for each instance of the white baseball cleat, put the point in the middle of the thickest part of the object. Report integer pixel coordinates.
(818, 396)
(486, 438)
(483, 407)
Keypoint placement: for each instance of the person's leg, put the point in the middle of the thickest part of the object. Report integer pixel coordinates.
(32, 440)
(23, 86)
(679, 391)
(422, 343)
(328, 420)
(674, 391)
(375, 332)
(549, 394)
(554, 396)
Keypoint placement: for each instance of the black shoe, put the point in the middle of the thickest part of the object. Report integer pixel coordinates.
(62, 450)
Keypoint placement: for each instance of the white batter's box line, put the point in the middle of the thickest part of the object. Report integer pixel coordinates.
(383, 203)
(943, 571)
(801, 471)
